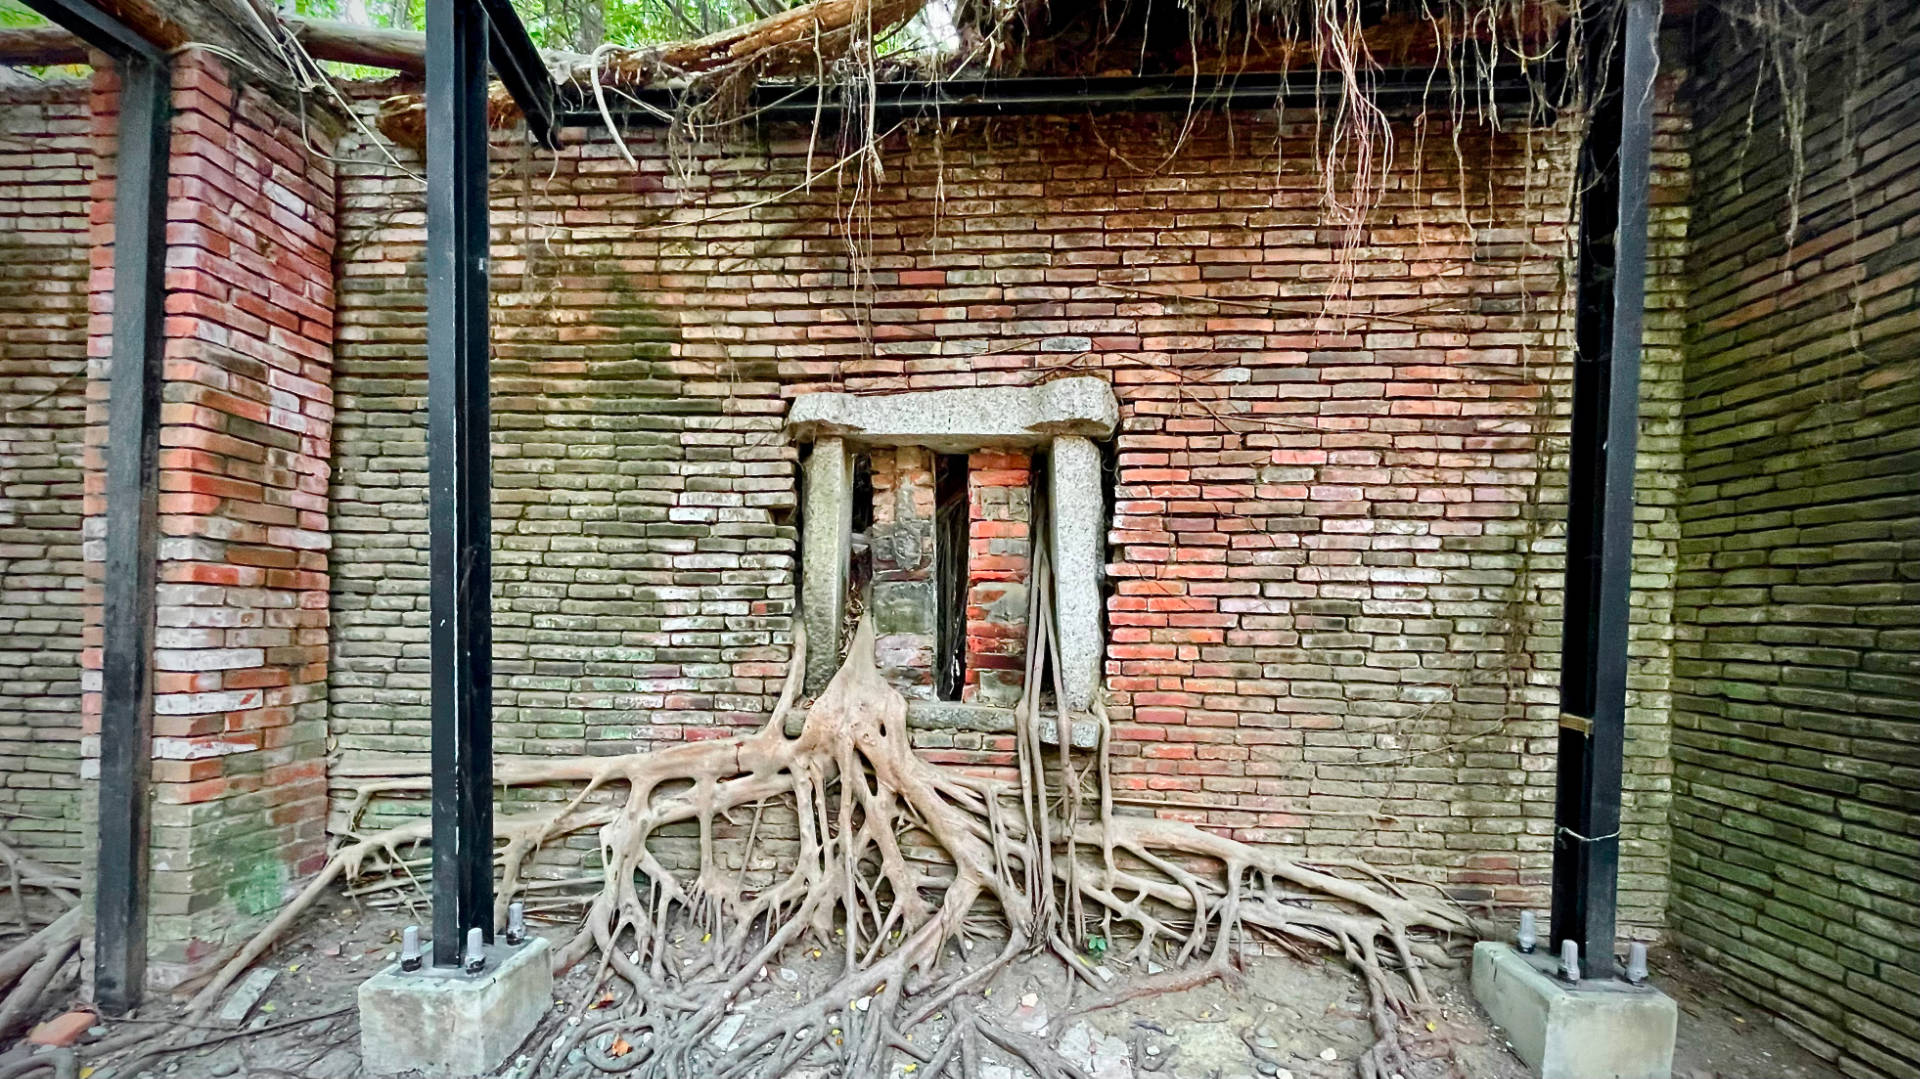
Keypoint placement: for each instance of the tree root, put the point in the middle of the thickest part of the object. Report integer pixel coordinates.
(32, 968)
(61, 1062)
(858, 799)
(29, 969)
(24, 872)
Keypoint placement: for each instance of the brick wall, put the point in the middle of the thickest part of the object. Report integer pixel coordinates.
(241, 607)
(999, 552)
(1796, 726)
(46, 162)
(901, 541)
(643, 505)
(1337, 549)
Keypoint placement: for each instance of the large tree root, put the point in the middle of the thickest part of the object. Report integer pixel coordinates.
(34, 968)
(1014, 863)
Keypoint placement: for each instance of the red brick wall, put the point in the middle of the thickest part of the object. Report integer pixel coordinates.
(245, 448)
(1337, 550)
(999, 541)
(46, 164)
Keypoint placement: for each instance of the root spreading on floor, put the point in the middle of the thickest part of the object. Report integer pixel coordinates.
(893, 862)
(38, 967)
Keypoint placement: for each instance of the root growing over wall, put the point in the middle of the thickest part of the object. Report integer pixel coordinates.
(1037, 866)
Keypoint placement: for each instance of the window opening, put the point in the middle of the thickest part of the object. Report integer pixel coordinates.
(860, 548)
(950, 539)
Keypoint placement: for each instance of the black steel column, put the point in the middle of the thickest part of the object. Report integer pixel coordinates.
(133, 426)
(132, 451)
(1614, 164)
(460, 480)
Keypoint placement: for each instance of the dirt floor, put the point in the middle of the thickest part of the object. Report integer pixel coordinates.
(1286, 1020)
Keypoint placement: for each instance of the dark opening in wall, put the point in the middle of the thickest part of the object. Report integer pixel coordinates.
(860, 552)
(862, 493)
(950, 539)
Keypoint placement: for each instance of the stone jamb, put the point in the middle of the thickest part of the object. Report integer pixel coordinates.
(1060, 418)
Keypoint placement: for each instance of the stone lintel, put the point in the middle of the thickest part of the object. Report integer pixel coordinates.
(955, 421)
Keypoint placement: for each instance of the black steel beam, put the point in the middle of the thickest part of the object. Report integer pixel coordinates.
(123, 859)
(459, 475)
(1611, 297)
(1055, 96)
(98, 29)
(521, 70)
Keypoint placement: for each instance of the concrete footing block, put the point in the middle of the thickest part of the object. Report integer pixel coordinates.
(1593, 1030)
(444, 1022)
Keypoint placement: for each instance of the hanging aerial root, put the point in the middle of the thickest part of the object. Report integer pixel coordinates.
(859, 799)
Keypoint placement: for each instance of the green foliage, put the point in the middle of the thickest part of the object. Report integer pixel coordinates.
(576, 25)
(15, 13)
(637, 22)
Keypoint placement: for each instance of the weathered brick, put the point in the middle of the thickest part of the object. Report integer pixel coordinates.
(1335, 543)
(241, 643)
(46, 165)
(1790, 563)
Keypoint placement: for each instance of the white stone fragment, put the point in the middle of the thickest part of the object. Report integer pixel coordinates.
(241, 1001)
(1100, 1056)
(729, 1029)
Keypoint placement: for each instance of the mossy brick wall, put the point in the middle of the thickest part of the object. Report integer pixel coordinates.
(1796, 727)
(245, 442)
(46, 165)
(645, 548)
(902, 594)
(1335, 578)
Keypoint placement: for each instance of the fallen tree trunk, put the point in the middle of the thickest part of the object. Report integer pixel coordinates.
(32, 46)
(804, 39)
(797, 27)
(324, 39)
(368, 46)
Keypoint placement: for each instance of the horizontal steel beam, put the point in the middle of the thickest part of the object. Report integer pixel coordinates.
(520, 68)
(1056, 96)
(98, 29)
